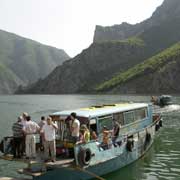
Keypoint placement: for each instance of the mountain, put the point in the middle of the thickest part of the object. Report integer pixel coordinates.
(24, 61)
(81, 74)
(109, 55)
(159, 74)
(170, 9)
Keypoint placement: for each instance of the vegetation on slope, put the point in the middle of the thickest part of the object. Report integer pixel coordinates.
(26, 60)
(154, 63)
(111, 55)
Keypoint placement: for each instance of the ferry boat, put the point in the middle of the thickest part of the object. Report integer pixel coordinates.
(164, 104)
(90, 160)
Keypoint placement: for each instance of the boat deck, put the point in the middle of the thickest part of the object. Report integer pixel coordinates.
(38, 164)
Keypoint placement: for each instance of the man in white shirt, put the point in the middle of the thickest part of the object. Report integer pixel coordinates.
(75, 127)
(30, 129)
(49, 130)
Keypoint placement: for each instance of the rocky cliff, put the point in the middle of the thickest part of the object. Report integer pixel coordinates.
(159, 74)
(94, 65)
(168, 10)
(24, 61)
(107, 58)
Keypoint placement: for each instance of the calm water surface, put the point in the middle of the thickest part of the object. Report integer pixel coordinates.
(162, 162)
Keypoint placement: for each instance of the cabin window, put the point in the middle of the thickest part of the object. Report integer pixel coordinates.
(105, 121)
(119, 118)
(93, 125)
(128, 117)
(140, 113)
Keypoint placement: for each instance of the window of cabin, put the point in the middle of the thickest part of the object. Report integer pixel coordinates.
(105, 121)
(140, 114)
(93, 129)
(119, 118)
(128, 117)
(93, 125)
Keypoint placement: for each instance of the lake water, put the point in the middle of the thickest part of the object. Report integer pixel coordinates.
(161, 162)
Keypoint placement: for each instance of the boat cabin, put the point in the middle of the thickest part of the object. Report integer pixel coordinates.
(130, 116)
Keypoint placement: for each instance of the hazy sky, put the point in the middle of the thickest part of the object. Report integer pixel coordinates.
(69, 24)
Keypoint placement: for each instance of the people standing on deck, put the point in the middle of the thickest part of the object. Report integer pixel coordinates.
(23, 122)
(75, 127)
(85, 134)
(49, 130)
(115, 132)
(30, 129)
(17, 129)
(68, 122)
(41, 124)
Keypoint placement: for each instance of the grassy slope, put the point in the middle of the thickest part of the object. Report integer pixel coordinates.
(152, 64)
(9, 81)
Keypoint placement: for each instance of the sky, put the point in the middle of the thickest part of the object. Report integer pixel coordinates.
(69, 24)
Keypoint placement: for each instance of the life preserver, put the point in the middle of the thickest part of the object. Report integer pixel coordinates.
(84, 156)
(130, 145)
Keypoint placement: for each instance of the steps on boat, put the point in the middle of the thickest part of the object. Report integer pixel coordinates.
(37, 168)
(27, 172)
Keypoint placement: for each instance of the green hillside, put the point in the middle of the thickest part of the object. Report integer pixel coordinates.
(156, 63)
(26, 60)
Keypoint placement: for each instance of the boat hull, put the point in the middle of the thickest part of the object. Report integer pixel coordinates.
(102, 168)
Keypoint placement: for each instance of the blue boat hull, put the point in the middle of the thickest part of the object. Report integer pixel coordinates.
(102, 168)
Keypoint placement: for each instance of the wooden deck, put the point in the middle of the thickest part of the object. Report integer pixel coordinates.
(27, 172)
(39, 166)
(9, 157)
(58, 162)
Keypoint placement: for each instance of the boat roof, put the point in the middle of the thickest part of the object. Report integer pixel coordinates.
(95, 111)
